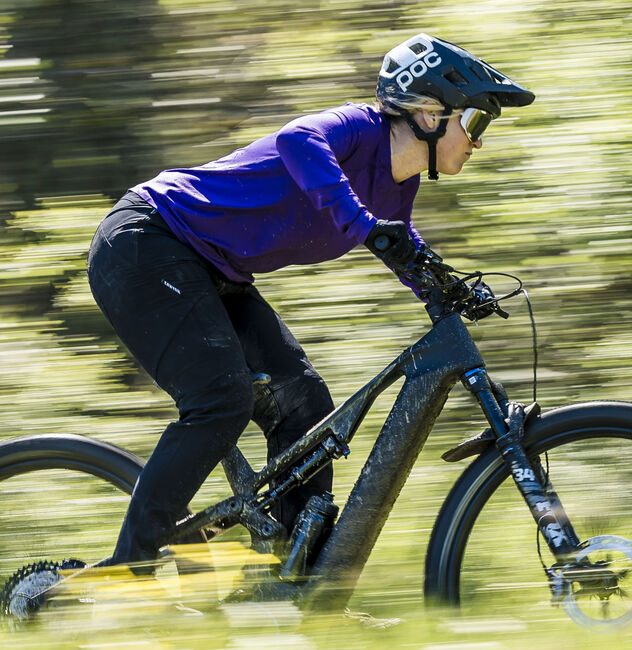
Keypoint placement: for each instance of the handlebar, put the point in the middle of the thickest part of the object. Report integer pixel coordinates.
(438, 284)
(445, 293)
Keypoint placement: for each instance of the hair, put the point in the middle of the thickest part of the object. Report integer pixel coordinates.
(412, 105)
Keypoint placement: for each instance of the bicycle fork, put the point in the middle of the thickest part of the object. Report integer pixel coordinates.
(528, 474)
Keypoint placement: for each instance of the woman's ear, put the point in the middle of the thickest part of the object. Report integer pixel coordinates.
(428, 120)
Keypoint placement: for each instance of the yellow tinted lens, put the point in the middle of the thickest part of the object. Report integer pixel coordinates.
(474, 122)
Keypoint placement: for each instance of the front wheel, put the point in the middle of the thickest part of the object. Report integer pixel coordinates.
(483, 551)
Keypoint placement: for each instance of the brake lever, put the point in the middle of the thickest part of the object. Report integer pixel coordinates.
(471, 310)
(452, 286)
(428, 258)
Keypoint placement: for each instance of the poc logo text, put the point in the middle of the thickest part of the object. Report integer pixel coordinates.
(417, 69)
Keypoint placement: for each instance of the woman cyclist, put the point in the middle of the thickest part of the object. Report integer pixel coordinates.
(172, 265)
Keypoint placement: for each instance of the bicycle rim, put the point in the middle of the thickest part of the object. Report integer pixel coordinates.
(490, 560)
(61, 496)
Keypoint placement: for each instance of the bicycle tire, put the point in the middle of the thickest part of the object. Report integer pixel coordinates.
(53, 488)
(566, 433)
(75, 487)
(68, 451)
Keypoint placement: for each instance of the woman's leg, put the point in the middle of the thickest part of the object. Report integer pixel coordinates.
(161, 300)
(295, 400)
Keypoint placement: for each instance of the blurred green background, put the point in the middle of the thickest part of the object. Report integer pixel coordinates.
(97, 95)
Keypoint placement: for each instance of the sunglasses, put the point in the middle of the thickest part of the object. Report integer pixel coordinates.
(474, 122)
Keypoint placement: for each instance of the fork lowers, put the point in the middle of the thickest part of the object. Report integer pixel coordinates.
(529, 476)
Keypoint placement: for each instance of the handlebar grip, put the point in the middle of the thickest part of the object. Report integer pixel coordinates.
(382, 242)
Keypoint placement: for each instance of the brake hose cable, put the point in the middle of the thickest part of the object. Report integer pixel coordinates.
(534, 334)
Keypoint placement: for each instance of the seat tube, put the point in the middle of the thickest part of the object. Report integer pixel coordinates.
(530, 478)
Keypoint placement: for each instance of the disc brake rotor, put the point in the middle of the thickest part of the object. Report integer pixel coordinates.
(599, 599)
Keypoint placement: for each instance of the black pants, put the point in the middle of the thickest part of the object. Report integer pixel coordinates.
(200, 337)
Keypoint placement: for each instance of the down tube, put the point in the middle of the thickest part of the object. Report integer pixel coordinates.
(432, 367)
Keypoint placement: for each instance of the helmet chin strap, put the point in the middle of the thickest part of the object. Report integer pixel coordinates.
(430, 139)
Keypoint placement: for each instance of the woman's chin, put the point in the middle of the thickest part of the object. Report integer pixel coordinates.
(451, 171)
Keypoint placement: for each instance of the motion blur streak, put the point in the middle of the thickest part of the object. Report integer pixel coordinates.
(97, 95)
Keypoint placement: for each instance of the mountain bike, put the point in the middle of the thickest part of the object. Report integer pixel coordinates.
(563, 467)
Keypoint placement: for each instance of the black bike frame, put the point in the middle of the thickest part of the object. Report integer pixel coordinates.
(430, 368)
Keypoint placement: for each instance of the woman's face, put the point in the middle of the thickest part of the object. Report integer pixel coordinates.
(454, 149)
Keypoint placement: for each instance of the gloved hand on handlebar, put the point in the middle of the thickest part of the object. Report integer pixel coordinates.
(391, 242)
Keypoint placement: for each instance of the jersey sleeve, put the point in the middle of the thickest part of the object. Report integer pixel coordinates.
(418, 239)
(311, 148)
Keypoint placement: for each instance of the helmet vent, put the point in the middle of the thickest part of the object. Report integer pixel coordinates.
(499, 78)
(479, 70)
(392, 66)
(454, 76)
(418, 48)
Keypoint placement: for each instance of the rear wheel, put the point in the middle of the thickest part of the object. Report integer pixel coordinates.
(483, 549)
(61, 495)
(62, 502)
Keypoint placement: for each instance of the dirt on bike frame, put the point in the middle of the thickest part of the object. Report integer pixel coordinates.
(430, 368)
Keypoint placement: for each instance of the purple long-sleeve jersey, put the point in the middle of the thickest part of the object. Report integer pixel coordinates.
(308, 193)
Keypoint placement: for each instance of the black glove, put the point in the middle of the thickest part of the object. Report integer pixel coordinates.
(391, 242)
